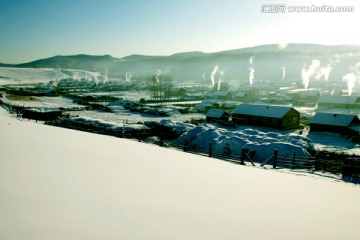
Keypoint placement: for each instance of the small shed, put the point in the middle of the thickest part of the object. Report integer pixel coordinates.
(274, 116)
(217, 115)
(345, 124)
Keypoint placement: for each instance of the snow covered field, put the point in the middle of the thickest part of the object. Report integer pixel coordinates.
(63, 184)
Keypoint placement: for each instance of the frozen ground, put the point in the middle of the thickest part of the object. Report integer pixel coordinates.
(63, 184)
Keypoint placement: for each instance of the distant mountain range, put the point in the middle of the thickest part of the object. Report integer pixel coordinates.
(268, 62)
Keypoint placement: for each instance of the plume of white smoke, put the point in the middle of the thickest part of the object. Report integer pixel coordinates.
(283, 69)
(128, 76)
(213, 73)
(305, 77)
(105, 76)
(353, 78)
(350, 78)
(326, 71)
(251, 71)
(158, 74)
(96, 77)
(204, 75)
(251, 75)
(251, 60)
(311, 71)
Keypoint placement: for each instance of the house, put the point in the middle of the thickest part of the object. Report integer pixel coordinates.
(329, 101)
(346, 124)
(217, 115)
(280, 117)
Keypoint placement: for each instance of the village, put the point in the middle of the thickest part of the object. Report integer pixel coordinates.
(164, 111)
(179, 120)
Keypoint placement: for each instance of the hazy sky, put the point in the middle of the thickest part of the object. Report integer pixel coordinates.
(34, 29)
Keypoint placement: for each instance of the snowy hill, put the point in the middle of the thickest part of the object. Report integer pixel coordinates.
(62, 184)
(81, 61)
(10, 75)
(191, 66)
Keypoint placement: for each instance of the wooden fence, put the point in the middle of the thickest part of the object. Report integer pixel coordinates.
(349, 166)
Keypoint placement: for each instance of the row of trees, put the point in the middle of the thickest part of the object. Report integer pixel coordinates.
(161, 87)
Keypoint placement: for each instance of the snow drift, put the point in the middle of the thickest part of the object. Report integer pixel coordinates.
(260, 143)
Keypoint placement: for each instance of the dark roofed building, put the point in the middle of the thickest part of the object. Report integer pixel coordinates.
(346, 124)
(281, 117)
(216, 115)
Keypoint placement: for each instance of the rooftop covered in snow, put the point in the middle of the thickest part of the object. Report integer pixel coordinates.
(216, 113)
(273, 111)
(333, 119)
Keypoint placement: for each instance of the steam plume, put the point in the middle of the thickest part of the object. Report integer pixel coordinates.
(213, 73)
(353, 78)
(350, 78)
(326, 71)
(128, 76)
(105, 75)
(283, 69)
(307, 73)
(158, 73)
(251, 71)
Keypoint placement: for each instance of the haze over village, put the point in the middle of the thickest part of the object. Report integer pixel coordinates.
(179, 120)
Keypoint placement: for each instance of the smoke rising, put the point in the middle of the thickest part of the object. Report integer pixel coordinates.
(213, 73)
(128, 76)
(283, 69)
(251, 71)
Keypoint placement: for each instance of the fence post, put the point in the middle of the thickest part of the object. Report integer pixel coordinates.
(275, 158)
(210, 150)
(293, 161)
(242, 156)
(185, 145)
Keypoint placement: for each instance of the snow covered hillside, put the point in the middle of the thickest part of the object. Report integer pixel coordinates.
(10, 75)
(58, 183)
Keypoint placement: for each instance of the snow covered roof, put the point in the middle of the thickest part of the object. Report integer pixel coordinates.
(334, 119)
(215, 113)
(338, 99)
(262, 110)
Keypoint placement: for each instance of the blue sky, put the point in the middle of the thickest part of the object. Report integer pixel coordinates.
(34, 29)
